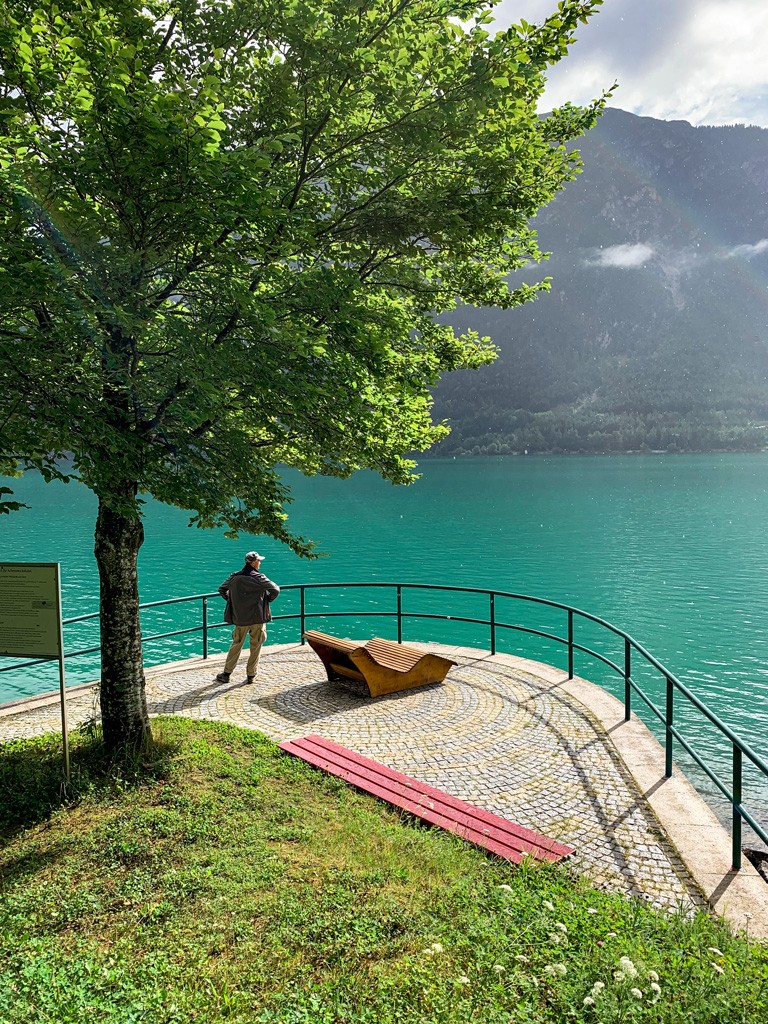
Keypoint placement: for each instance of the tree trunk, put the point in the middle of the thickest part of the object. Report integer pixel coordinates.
(123, 702)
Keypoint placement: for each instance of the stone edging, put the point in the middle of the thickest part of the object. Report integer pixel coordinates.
(704, 846)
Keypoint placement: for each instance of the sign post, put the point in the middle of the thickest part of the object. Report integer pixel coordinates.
(30, 622)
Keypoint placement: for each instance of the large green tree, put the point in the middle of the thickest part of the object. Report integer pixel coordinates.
(225, 230)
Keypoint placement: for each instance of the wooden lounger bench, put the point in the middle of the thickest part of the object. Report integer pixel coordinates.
(502, 837)
(383, 665)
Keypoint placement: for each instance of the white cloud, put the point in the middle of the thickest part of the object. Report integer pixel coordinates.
(715, 71)
(748, 251)
(625, 257)
(703, 61)
(672, 261)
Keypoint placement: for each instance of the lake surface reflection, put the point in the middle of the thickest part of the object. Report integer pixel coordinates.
(672, 549)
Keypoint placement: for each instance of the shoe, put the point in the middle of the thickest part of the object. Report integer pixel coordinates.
(223, 677)
(250, 679)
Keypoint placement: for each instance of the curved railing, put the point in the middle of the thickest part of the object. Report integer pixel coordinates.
(632, 651)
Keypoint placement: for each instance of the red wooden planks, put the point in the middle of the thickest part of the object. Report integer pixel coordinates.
(502, 837)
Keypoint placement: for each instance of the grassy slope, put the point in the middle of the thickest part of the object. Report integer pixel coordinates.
(220, 880)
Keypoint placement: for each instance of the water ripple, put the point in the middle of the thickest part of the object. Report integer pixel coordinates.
(672, 549)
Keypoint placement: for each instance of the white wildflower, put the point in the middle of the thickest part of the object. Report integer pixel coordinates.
(597, 988)
(611, 935)
(619, 975)
(560, 926)
(589, 1001)
(718, 968)
(436, 947)
(715, 950)
(636, 993)
(505, 887)
(554, 969)
(555, 938)
(653, 975)
(591, 910)
(499, 968)
(626, 965)
(522, 958)
(655, 987)
(551, 906)
(462, 980)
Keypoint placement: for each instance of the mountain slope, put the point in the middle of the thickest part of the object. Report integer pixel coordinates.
(655, 333)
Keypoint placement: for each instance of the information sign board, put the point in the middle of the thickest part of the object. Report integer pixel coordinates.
(29, 610)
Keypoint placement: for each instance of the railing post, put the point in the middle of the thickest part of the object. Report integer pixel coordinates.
(399, 614)
(205, 627)
(303, 613)
(493, 623)
(669, 722)
(627, 675)
(570, 643)
(736, 827)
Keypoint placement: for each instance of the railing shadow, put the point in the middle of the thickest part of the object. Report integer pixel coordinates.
(667, 716)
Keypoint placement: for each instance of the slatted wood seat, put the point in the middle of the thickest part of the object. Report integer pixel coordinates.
(383, 665)
(491, 832)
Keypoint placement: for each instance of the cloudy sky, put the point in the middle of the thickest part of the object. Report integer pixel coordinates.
(703, 61)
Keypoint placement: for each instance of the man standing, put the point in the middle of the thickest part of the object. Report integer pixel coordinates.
(248, 594)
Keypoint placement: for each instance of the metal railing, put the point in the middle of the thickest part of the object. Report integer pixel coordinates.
(631, 649)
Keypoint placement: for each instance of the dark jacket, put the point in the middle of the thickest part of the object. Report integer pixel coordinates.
(248, 595)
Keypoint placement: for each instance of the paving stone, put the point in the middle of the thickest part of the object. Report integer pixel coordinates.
(492, 734)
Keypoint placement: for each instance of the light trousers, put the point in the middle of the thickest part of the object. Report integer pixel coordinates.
(258, 632)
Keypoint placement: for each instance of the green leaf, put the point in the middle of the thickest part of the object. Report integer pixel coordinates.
(84, 99)
(183, 319)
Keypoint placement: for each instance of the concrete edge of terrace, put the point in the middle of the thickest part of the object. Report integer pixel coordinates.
(690, 825)
(704, 846)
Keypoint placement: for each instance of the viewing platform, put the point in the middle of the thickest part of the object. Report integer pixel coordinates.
(515, 737)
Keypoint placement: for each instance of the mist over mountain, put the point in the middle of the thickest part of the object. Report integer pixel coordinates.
(655, 332)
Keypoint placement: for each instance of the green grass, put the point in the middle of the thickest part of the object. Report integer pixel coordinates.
(216, 879)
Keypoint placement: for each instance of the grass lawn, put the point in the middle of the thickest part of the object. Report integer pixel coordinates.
(217, 879)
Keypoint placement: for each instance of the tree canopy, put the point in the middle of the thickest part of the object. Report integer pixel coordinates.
(226, 229)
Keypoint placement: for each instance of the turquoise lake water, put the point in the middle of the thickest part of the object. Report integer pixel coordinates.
(672, 549)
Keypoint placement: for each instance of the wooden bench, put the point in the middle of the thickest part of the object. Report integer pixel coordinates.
(383, 665)
(498, 835)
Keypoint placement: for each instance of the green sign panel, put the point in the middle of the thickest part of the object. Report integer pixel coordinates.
(29, 609)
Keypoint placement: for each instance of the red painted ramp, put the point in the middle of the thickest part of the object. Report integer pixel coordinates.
(502, 837)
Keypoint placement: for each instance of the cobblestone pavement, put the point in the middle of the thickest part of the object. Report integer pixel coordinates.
(493, 733)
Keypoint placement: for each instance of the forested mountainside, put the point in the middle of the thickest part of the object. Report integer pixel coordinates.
(655, 332)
